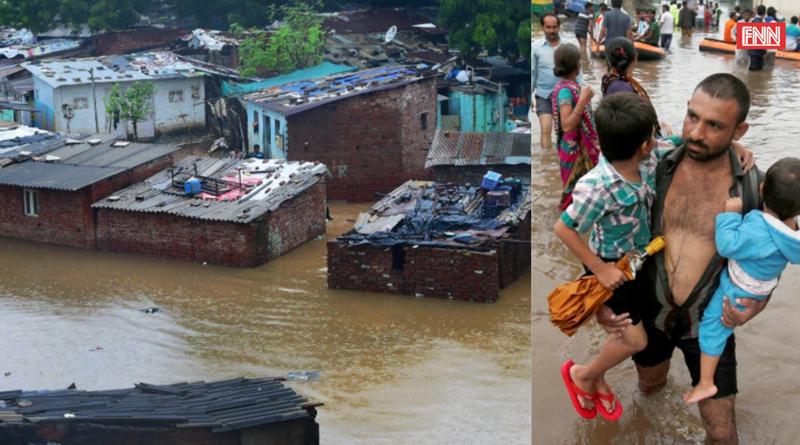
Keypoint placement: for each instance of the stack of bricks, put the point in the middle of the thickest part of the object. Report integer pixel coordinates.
(456, 274)
(371, 142)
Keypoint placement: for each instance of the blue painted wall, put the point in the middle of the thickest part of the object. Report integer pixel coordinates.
(266, 137)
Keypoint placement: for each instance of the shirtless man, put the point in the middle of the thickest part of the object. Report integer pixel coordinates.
(692, 186)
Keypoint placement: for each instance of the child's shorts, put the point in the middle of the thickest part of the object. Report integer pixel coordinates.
(628, 297)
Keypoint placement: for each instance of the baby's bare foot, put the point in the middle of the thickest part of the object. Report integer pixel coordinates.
(700, 392)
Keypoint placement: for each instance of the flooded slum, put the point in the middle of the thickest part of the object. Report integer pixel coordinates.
(196, 249)
(765, 407)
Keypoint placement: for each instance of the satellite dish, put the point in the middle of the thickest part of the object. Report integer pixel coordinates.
(391, 34)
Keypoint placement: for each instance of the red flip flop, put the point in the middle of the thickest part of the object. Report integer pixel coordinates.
(575, 392)
(613, 416)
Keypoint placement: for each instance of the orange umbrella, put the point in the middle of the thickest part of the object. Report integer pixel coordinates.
(574, 303)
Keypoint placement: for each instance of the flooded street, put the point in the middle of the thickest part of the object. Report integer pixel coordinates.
(395, 369)
(769, 397)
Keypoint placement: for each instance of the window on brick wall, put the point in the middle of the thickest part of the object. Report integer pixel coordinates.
(398, 257)
(176, 96)
(423, 121)
(31, 198)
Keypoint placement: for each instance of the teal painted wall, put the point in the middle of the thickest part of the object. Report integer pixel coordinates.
(477, 111)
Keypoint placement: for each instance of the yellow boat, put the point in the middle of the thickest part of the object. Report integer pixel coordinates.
(721, 46)
(541, 7)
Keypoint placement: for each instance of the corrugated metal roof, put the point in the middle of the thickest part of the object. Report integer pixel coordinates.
(106, 155)
(158, 195)
(464, 148)
(310, 94)
(224, 406)
(378, 223)
(48, 175)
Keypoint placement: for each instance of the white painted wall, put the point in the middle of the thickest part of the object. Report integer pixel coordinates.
(166, 115)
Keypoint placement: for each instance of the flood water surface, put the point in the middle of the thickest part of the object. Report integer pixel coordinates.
(394, 369)
(769, 398)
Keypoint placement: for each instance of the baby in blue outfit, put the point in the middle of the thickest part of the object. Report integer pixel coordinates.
(758, 249)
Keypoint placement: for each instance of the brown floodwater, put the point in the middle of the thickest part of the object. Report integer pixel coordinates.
(769, 397)
(394, 369)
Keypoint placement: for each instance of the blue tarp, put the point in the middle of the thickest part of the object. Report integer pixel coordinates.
(321, 70)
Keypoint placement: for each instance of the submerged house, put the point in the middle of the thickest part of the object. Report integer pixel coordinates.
(371, 127)
(260, 411)
(436, 240)
(477, 107)
(242, 213)
(48, 186)
(465, 158)
(70, 95)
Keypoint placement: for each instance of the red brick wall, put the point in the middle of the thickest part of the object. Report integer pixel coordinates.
(121, 42)
(515, 258)
(64, 217)
(94, 434)
(365, 141)
(222, 243)
(418, 98)
(297, 221)
(455, 274)
(170, 236)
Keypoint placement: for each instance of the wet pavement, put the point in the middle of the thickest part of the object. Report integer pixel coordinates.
(394, 369)
(769, 396)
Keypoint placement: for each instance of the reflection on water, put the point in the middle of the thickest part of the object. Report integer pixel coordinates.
(768, 397)
(394, 369)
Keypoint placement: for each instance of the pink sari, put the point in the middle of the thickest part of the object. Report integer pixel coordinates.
(578, 150)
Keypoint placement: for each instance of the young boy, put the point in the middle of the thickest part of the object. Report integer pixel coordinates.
(758, 248)
(613, 200)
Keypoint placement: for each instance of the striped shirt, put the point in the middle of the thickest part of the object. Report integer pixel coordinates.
(681, 322)
(616, 210)
(582, 23)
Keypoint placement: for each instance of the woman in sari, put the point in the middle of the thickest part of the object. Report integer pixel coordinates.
(573, 119)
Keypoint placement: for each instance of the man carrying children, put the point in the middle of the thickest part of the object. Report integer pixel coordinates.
(693, 184)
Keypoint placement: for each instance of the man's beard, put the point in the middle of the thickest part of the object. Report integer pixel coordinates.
(707, 154)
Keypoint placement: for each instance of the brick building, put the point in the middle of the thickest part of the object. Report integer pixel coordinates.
(248, 213)
(431, 240)
(466, 157)
(234, 412)
(371, 128)
(50, 199)
(136, 40)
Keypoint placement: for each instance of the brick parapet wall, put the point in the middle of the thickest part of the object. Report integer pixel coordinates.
(455, 274)
(221, 243)
(366, 141)
(121, 42)
(515, 258)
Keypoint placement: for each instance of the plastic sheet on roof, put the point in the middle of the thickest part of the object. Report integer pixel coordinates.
(321, 70)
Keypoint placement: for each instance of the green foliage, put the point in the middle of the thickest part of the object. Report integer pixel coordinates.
(491, 25)
(133, 105)
(295, 46)
(100, 15)
(524, 39)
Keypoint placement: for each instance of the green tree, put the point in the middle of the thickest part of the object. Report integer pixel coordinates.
(100, 15)
(295, 46)
(491, 25)
(134, 104)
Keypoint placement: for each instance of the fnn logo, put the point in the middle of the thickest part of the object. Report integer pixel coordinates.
(761, 35)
